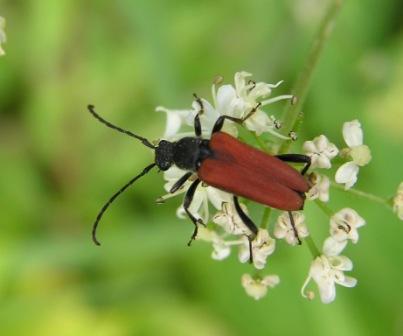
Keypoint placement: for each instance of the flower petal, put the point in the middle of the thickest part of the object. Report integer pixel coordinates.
(352, 133)
(347, 173)
(175, 118)
(333, 247)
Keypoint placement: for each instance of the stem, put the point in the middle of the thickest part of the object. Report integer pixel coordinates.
(312, 247)
(260, 143)
(265, 218)
(368, 196)
(293, 111)
(324, 208)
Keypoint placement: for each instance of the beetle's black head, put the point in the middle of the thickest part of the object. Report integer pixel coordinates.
(164, 155)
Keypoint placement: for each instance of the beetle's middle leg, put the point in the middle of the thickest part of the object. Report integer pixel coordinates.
(186, 204)
(296, 158)
(249, 224)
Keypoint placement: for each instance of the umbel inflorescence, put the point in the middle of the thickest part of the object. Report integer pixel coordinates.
(227, 232)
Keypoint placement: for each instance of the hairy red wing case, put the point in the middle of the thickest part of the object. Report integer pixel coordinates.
(244, 171)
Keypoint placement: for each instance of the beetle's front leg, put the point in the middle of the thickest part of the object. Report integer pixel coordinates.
(197, 124)
(186, 204)
(249, 224)
(297, 158)
(220, 121)
(178, 184)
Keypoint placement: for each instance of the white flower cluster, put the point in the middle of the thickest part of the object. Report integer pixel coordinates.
(327, 269)
(3, 38)
(322, 151)
(226, 229)
(237, 101)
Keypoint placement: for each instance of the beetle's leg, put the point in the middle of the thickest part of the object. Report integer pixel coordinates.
(220, 121)
(294, 227)
(197, 125)
(296, 158)
(178, 184)
(249, 224)
(186, 204)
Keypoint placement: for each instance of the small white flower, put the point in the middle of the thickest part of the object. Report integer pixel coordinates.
(284, 230)
(262, 246)
(357, 151)
(321, 151)
(3, 37)
(229, 219)
(327, 271)
(257, 287)
(398, 202)
(221, 247)
(344, 225)
(248, 95)
(320, 187)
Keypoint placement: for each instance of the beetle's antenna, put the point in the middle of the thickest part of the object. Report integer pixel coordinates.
(107, 204)
(145, 142)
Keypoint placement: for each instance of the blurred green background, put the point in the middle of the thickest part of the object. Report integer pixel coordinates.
(58, 165)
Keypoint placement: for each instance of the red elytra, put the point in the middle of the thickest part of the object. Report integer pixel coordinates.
(245, 171)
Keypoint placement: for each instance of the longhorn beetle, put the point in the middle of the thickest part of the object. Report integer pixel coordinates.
(227, 164)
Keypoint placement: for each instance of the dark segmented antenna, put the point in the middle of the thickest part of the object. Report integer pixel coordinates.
(107, 204)
(145, 142)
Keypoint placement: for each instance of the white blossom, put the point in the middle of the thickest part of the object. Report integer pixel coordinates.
(236, 101)
(284, 230)
(321, 151)
(344, 225)
(229, 219)
(357, 151)
(257, 287)
(3, 37)
(249, 95)
(262, 246)
(320, 187)
(398, 202)
(221, 247)
(326, 272)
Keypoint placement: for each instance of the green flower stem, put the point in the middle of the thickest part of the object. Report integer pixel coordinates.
(261, 144)
(324, 208)
(363, 194)
(312, 247)
(293, 111)
(265, 218)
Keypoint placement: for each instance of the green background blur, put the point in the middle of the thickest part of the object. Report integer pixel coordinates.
(58, 165)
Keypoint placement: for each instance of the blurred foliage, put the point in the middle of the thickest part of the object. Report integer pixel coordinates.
(58, 165)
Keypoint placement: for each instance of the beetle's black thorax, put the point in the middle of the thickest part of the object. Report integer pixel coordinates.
(186, 153)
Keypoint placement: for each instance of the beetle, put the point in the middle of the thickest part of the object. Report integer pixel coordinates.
(225, 163)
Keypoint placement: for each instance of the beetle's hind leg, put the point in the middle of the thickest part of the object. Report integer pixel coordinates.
(249, 224)
(294, 228)
(296, 158)
(186, 204)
